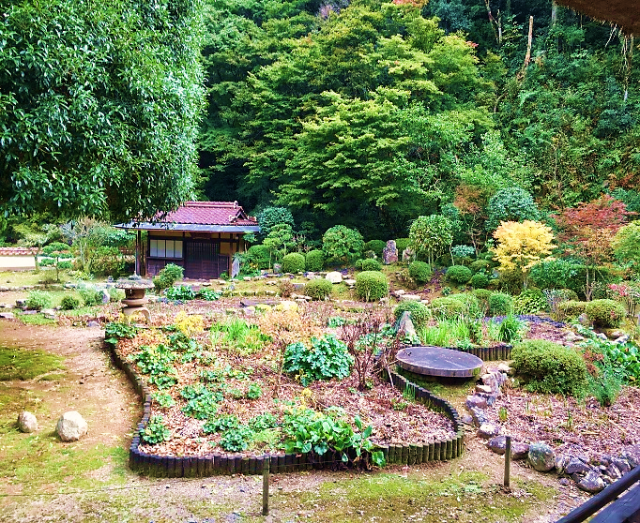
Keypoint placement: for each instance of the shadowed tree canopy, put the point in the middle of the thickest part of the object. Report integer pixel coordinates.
(99, 106)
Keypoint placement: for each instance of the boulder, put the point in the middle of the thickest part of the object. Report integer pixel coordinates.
(576, 466)
(622, 339)
(621, 464)
(542, 457)
(485, 389)
(613, 472)
(632, 455)
(390, 253)
(104, 296)
(334, 277)
(27, 422)
(592, 482)
(71, 426)
(409, 297)
(408, 254)
(479, 415)
(405, 325)
(7, 316)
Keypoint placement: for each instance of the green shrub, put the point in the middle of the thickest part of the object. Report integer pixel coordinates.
(470, 302)
(38, 300)
(107, 261)
(557, 274)
(447, 307)
(483, 299)
(116, 294)
(90, 296)
(315, 260)
(156, 431)
(327, 358)
(46, 262)
(550, 368)
(376, 246)
(401, 245)
(605, 313)
(571, 309)
(510, 329)
(500, 304)
(371, 265)
(511, 204)
(342, 244)
(564, 295)
(319, 288)
(66, 265)
(272, 216)
(358, 265)
(257, 257)
(511, 281)
(530, 301)
(181, 293)
(419, 312)
(371, 285)
(170, 274)
(69, 303)
(479, 280)
(420, 272)
(480, 266)
(293, 263)
(458, 274)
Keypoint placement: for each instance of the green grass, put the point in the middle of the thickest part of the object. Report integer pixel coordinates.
(21, 278)
(453, 389)
(35, 319)
(22, 364)
(468, 497)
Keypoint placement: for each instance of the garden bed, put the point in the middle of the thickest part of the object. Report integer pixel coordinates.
(234, 402)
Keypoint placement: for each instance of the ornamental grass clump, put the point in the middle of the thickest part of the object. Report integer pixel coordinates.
(327, 358)
(371, 285)
(550, 368)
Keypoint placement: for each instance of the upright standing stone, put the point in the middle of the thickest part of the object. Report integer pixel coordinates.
(235, 267)
(390, 253)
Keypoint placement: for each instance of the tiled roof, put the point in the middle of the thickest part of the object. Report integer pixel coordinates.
(210, 213)
(17, 251)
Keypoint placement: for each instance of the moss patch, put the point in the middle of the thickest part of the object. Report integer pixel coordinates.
(21, 364)
(467, 497)
(453, 390)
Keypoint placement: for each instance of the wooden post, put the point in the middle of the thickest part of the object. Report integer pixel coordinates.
(265, 485)
(507, 463)
(527, 58)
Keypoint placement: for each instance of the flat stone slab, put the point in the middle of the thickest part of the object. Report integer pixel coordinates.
(437, 361)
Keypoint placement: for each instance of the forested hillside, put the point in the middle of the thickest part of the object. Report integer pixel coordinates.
(369, 114)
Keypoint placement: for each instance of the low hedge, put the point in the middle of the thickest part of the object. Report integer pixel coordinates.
(605, 313)
(550, 368)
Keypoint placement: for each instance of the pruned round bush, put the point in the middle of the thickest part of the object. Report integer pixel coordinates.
(315, 260)
(370, 265)
(419, 312)
(358, 265)
(69, 303)
(341, 244)
(605, 313)
(293, 262)
(550, 368)
(500, 304)
(458, 274)
(565, 294)
(38, 300)
(319, 288)
(376, 246)
(401, 245)
(447, 307)
(470, 302)
(479, 280)
(420, 272)
(371, 285)
(480, 266)
(571, 309)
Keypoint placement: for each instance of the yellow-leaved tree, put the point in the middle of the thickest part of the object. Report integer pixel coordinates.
(522, 245)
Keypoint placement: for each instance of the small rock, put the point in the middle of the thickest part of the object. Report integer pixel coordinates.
(479, 416)
(399, 292)
(488, 430)
(105, 297)
(622, 339)
(506, 369)
(576, 466)
(565, 482)
(485, 389)
(71, 426)
(622, 465)
(334, 277)
(613, 471)
(519, 450)
(592, 482)
(410, 297)
(584, 320)
(27, 422)
(287, 306)
(561, 462)
(93, 323)
(7, 316)
(542, 457)
(467, 420)
(479, 402)
(350, 283)
(21, 304)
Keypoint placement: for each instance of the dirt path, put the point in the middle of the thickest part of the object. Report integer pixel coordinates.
(105, 490)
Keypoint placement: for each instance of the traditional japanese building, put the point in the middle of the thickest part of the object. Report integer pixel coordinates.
(202, 237)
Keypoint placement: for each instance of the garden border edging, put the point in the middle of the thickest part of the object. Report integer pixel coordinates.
(218, 463)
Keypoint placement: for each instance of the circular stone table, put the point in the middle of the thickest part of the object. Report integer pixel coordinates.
(135, 301)
(437, 361)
